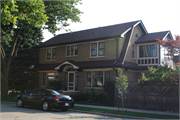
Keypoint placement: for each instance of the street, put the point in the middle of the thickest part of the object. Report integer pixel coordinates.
(9, 111)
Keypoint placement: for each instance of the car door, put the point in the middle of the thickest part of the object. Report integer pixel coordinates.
(39, 97)
(27, 99)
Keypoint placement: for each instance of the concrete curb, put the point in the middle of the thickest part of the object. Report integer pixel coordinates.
(114, 115)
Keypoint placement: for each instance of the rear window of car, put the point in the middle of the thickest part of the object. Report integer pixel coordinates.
(53, 92)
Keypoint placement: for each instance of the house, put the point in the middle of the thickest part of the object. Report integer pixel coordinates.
(87, 59)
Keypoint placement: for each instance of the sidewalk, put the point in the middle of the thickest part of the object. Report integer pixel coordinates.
(129, 109)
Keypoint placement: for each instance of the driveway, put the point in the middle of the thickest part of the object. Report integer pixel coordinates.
(9, 111)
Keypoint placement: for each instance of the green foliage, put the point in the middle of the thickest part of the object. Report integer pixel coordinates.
(22, 76)
(162, 75)
(60, 12)
(54, 84)
(121, 82)
(31, 11)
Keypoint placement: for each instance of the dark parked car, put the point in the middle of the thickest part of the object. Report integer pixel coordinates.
(45, 98)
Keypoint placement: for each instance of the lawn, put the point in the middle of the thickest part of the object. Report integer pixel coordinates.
(128, 113)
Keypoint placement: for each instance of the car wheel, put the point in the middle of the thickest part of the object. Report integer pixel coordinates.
(45, 106)
(64, 109)
(19, 102)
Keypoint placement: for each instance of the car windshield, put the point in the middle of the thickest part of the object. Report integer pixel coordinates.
(53, 92)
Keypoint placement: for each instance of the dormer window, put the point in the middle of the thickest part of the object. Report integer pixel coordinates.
(51, 54)
(133, 52)
(136, 36)
(148, 50)
(148, 54)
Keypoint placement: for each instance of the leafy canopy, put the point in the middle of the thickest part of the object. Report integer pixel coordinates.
(172, 46)
(31, 11)
(121, 82)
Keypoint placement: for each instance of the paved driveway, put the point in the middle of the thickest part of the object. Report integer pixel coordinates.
(9, 111)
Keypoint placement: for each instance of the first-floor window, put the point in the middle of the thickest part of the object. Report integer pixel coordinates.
(97, 78)
(48, 77)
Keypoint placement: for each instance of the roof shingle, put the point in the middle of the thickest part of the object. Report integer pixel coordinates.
(89, 35)
(151, 37)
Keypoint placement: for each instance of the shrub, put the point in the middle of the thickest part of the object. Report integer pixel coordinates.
(54, 84)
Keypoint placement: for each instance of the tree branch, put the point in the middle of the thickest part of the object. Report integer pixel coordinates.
(14, 46)
(17, 47)
(3, 55)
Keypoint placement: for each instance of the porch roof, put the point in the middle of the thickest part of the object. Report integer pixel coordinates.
(93, 65)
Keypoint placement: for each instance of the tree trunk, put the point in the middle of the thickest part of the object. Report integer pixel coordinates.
(122, 102)
(4, 79)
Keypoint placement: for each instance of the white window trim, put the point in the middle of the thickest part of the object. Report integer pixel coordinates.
(51, 54)
(71, 82)
(148, 57)
(97, 56)
(92, 80)
(70, 51)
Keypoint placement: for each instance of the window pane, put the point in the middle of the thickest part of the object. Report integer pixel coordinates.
(88, 83)
(148, 51)
(53, 53)
(49, 54)
(50, 78)
(154, 50)
(141, 51)
(132, 51)
(68, 47)
(101, 49)
(98, 81)
(93, 49)
(72, 50)
(98, 73)
(107, 75)
(76, 49)
(44, 79)
(71, 77)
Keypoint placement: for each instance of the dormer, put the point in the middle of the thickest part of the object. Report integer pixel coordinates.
(149, 52)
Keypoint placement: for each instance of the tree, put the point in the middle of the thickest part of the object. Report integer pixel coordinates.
(121, 84)
(26, 78)
(17, 21)
(172, 46)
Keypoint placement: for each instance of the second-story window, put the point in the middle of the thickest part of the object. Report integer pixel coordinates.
(97, 49)
(133, 53)
(148, 50)
(51, 54)
(72, 50)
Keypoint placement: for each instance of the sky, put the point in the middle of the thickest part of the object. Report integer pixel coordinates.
(156, 15)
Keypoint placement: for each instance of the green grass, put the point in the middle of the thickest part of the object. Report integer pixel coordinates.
(129, 113)
(9, 98)
(88, 103)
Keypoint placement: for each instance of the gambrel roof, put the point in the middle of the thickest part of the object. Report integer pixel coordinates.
(92, 34)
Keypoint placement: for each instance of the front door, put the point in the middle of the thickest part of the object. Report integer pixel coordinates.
(71, 81)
